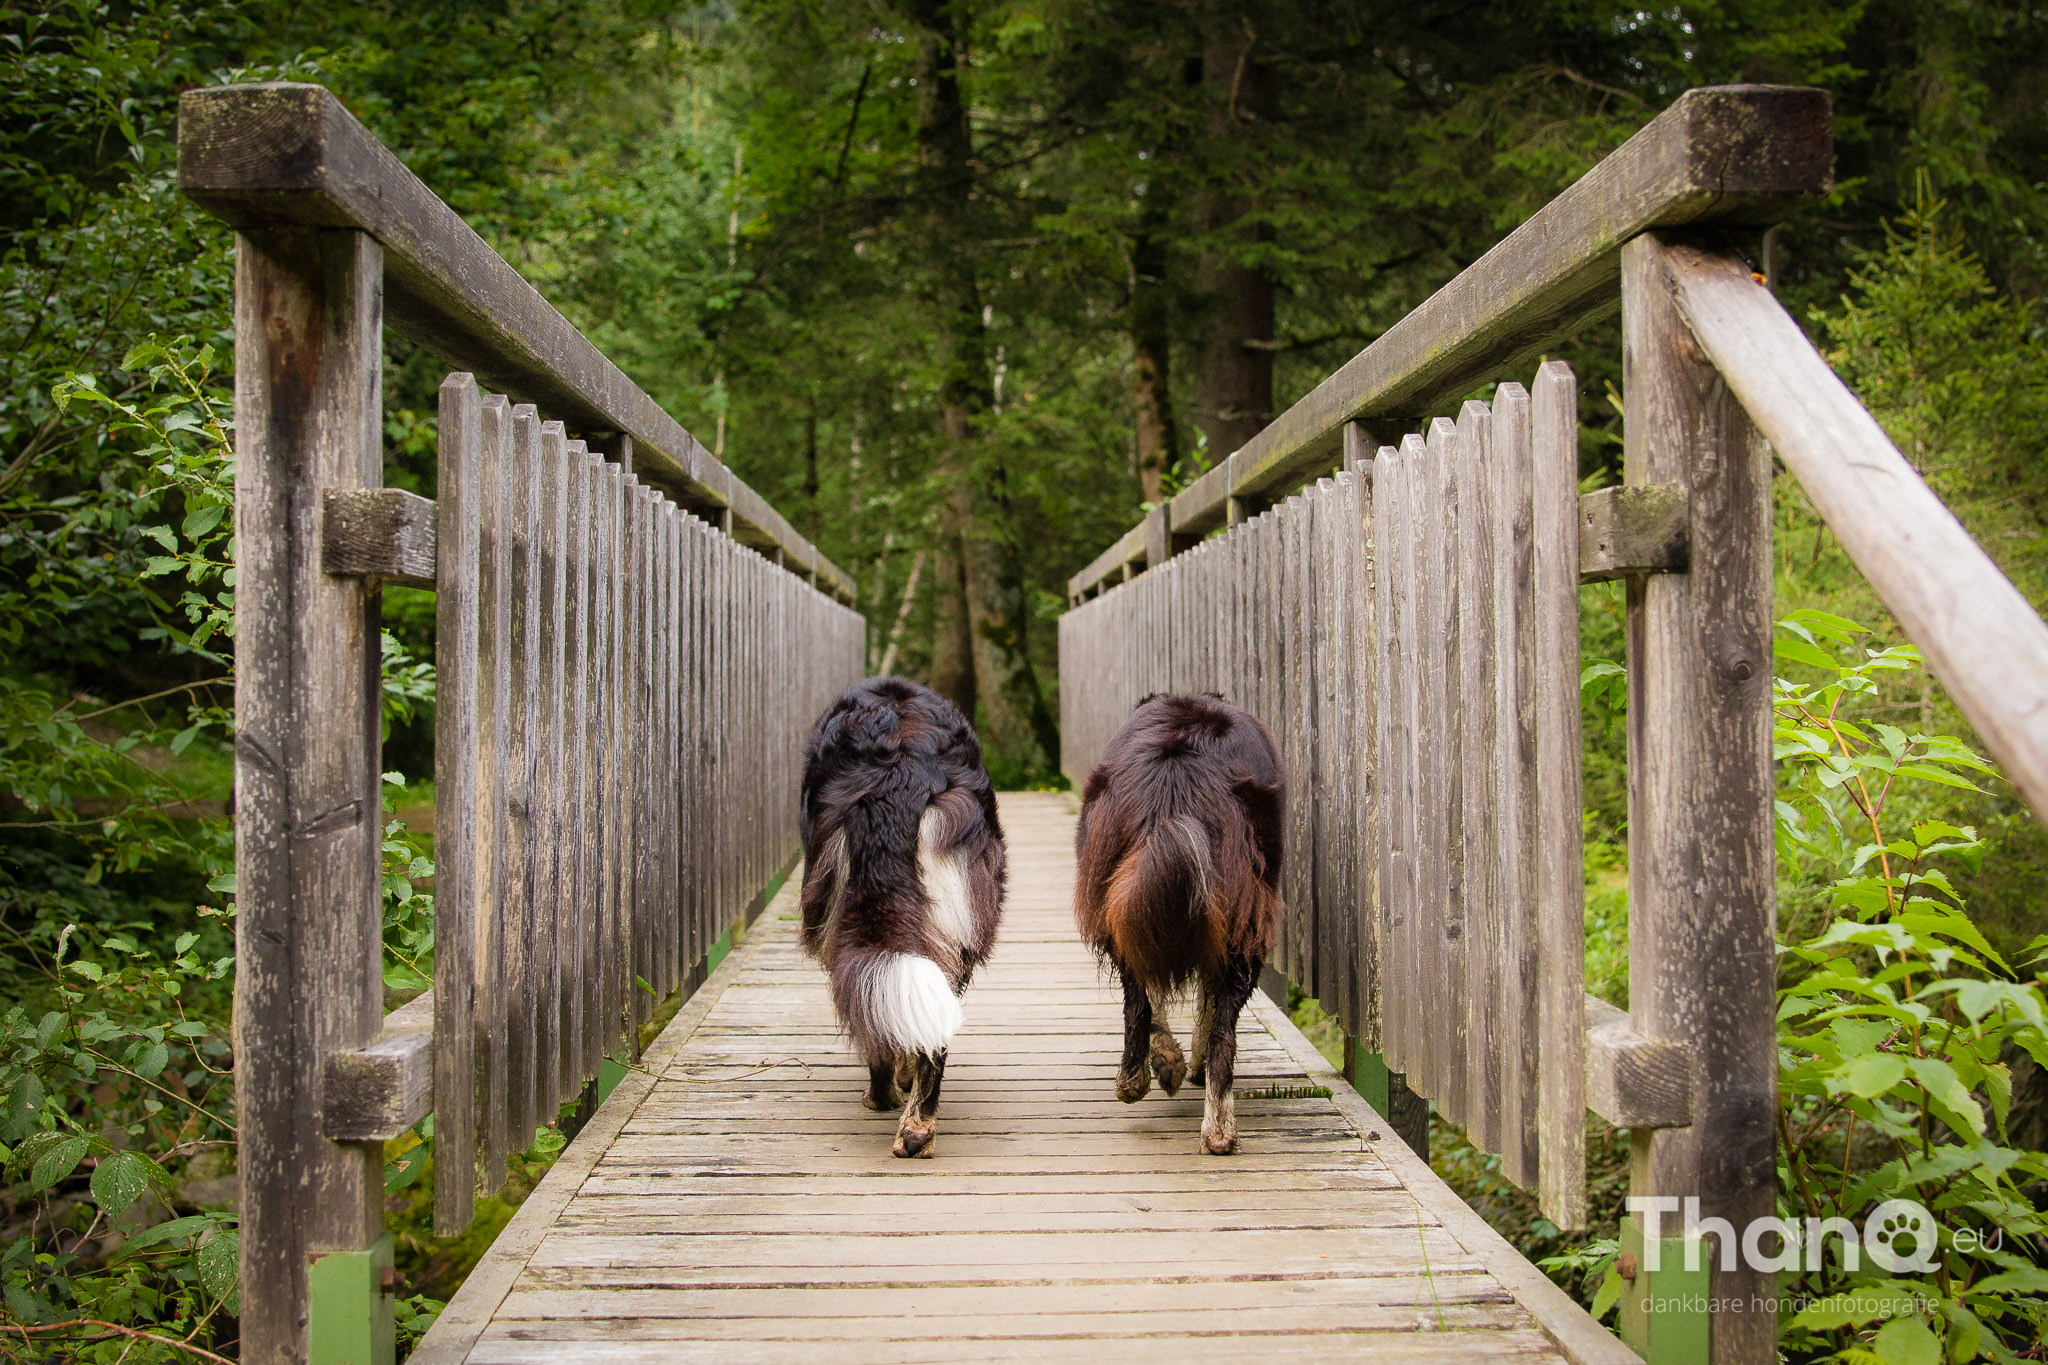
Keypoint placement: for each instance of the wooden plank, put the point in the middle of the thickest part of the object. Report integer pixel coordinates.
(459, 814)
(1702, 894)
(1321, 742)
(1478, 669)
(1726, 153)
(604, 862)
(385, 535)
(1981, 637)
(1632, 528)
(1560, 813)
(1633, 1081)
(496, 699)
(577, 957)
(1443, 774)
(375, 1093)
(1520, 986)
(1365, 705)
(1392, 803)
(521, 526)
(285, 154)
(1298, 880)
(308, 346)
(554, 877)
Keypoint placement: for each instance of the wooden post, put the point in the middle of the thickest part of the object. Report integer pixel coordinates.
(308, 374)
(1701, 917)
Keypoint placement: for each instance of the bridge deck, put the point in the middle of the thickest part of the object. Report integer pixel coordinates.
(732, 1200)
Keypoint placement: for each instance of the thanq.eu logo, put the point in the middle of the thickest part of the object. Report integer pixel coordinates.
(1898, 1236)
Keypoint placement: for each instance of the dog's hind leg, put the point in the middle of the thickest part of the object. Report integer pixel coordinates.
(920, 1124)
(1198, 1040)
(1132, 1079)
(1219, 1111)
(882, 1093)
(1167, 1062)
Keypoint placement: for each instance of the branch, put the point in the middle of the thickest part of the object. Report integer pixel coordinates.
(114, 1329)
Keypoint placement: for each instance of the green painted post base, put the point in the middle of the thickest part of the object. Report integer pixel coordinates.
(1664, 1316)
(718, 951)
(1388, 1093)
(349, 1317)
(609, 1073)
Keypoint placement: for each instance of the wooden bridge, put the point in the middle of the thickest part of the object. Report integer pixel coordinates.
(631, 644)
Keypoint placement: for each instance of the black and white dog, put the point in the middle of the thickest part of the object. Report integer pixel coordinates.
(1178, 881)
(903, 883)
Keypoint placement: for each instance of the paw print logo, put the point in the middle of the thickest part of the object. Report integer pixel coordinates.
(1899, 1236)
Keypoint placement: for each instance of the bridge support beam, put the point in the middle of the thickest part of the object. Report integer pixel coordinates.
(1701, 895)
(308, 842)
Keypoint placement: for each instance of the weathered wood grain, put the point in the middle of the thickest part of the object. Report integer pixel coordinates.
(523, 852)
(289, 155)
(1981, 637)
(1514, 696)
(308, 331)
(1560, 813)
(577, 953)
(553, 880)
(1702, 895)
(460, 500)
(1632, 1081)
(1632, 528)
(375, 1093)
(385, 535)
(1478, 672)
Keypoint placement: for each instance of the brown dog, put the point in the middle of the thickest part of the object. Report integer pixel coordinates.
(1179, 869)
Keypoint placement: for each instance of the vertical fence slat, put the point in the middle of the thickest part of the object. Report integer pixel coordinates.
(1515, 783)
(1421, 827)
(1560, 870)
(1390, 473)
(457, 496)
(1475, 718)
(495, 700)
(550, 802)
(576, 833)
(521, 847)
(597, 889)
(1363, 576)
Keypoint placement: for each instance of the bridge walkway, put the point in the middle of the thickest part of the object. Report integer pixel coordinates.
(732, 1200)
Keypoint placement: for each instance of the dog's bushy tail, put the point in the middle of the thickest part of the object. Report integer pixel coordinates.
(900, 918)
(1188, 892)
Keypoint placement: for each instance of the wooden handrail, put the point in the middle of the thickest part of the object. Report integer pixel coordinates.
(1980, 636)
(289, 155)
(1720, 154)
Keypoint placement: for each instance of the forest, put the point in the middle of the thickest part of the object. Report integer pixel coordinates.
(963, 287)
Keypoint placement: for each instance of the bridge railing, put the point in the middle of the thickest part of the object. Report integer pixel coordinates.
(1408, 625)
(629, 646)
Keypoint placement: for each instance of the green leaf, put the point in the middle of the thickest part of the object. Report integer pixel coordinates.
(1927, 773)
(1868, 1076)
(57, 1163)
(217, 1263)
(1907, 1341)
(1800, 652)
(1952, 1099)
(164, 1232)
(2026, 1280)
(1845, 1310)
(89, 970)
(1609, 1293)
(152, 1061)
(121, 1178)
(204, 520)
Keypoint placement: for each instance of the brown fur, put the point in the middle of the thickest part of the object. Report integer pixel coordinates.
(1178, 874)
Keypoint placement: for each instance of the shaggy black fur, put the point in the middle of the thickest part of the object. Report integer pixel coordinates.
(894, 788)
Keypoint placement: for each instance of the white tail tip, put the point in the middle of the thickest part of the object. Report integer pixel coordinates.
(910, 1006)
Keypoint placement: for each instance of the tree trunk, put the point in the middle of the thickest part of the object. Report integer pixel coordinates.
(952, 670)
(1151, 356)
(1237, 379)
(811, 475)
(1015, 721)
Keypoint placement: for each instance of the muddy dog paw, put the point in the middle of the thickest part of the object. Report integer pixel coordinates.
(916, 1139)
(882, 1103)
(1169, 1065)
(1219, 1143)
(1132, 1085)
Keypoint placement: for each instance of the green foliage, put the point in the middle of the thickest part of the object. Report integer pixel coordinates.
(1898, 1022)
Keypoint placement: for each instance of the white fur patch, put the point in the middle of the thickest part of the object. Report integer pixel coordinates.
(909, 1004)
(1197, 841)
(945, 882)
